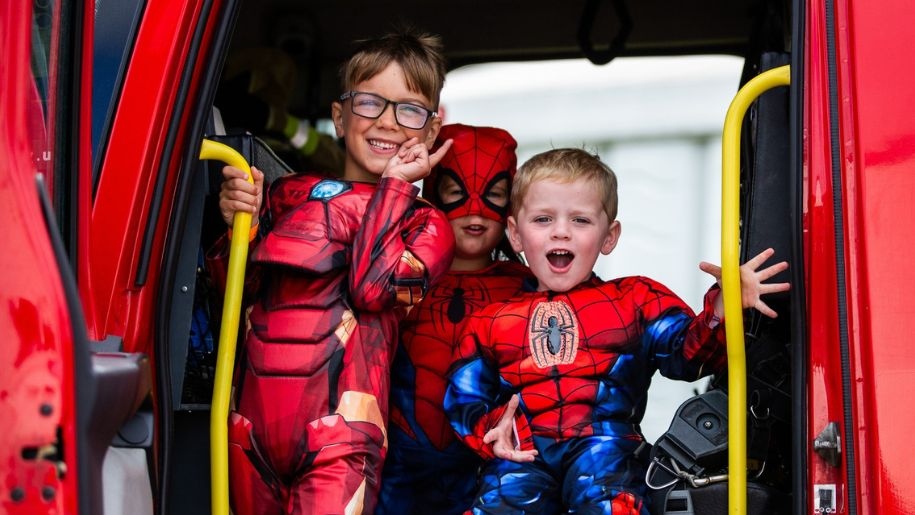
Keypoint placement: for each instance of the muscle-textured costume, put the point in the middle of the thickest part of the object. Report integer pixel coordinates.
(581, 362)
(334, 273)
(427, 469)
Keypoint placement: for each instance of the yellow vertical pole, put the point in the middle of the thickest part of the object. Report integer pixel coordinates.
(730, 279)
(228, 335)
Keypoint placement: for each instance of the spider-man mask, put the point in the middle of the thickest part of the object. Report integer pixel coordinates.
(480, 159)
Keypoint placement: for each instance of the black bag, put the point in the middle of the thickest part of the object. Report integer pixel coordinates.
(687, 473)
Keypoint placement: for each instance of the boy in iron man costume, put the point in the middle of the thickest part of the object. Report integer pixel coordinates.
(575, 354)
(334, 273)
(427, 469)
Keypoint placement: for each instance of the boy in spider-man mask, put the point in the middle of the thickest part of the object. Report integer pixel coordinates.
(575, 354)
(427, 469)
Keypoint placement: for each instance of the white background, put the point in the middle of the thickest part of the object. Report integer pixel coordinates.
(657, 122)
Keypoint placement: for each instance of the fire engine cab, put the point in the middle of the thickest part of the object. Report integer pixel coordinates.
(109, 332)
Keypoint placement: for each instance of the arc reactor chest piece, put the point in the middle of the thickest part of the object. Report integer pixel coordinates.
(328, 189)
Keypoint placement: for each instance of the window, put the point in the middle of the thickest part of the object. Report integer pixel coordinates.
(41, 100)
(115, 23)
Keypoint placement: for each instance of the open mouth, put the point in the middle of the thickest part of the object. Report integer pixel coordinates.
(474, 229)
(560, 258)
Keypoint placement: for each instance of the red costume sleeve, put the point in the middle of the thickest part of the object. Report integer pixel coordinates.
(217, 263)
(685, 346)
(402, 246)
(705, 341)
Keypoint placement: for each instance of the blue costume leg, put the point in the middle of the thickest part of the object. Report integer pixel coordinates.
(511, 488)
(605, 477)
(396, 495)
(418, 480)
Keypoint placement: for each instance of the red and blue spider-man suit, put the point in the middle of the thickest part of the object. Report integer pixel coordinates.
(334, 274)
(581, 362)
(427, 469)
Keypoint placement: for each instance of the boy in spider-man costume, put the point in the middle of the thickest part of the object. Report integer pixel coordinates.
(336, 270)
(575, 354)
(427, 469)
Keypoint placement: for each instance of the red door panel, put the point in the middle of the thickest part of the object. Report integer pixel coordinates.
(36, 397)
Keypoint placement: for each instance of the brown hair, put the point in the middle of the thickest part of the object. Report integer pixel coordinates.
(566, 165)
(419, 54)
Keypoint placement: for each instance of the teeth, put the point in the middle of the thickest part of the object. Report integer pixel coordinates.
(559, 252)
(382, 144)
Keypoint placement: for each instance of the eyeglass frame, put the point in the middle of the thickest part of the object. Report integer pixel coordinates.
(351, 94)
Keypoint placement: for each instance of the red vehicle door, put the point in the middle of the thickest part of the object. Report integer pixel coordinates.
(859, 227)
(108, 92)
(136, 273)
(46, 462)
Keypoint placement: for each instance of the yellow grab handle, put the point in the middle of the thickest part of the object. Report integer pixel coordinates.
(228, 335)
(730, 281)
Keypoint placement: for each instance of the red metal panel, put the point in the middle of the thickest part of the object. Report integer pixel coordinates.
(877, 156)
(875, 58)
(36, 351)
(824, 386)
(129, 172)
(84, 174)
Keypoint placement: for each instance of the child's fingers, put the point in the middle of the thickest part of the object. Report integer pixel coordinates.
(440, 153)
(522, 456)
(709, 268)
(760, 258)
(239, 184)
(240, 194)
(240, 189)
(258, 176)
(764, 308)
(230, 172)
(505, 422)
(407, 145)
(228, 208)
(771, 271)
(414, 153)
(499, 450)
(500, 440)
(506, 453)
(511, 407)
(774, 288)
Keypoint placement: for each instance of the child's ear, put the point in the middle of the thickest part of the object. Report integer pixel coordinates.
(435, 125)
(612, 238)
(336, 113)
(514, 237)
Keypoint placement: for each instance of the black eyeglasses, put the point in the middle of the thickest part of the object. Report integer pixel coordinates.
(370, 105)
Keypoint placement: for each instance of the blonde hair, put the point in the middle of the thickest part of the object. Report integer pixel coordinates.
(419, 54)
(566, 165)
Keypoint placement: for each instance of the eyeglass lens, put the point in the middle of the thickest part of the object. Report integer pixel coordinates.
(370, 105)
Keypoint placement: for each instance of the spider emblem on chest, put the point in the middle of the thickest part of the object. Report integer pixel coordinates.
(553, 334)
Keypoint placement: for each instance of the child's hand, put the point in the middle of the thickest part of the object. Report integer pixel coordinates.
(504, 442)
(751, 282)
(413, 161)
(237, 194)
